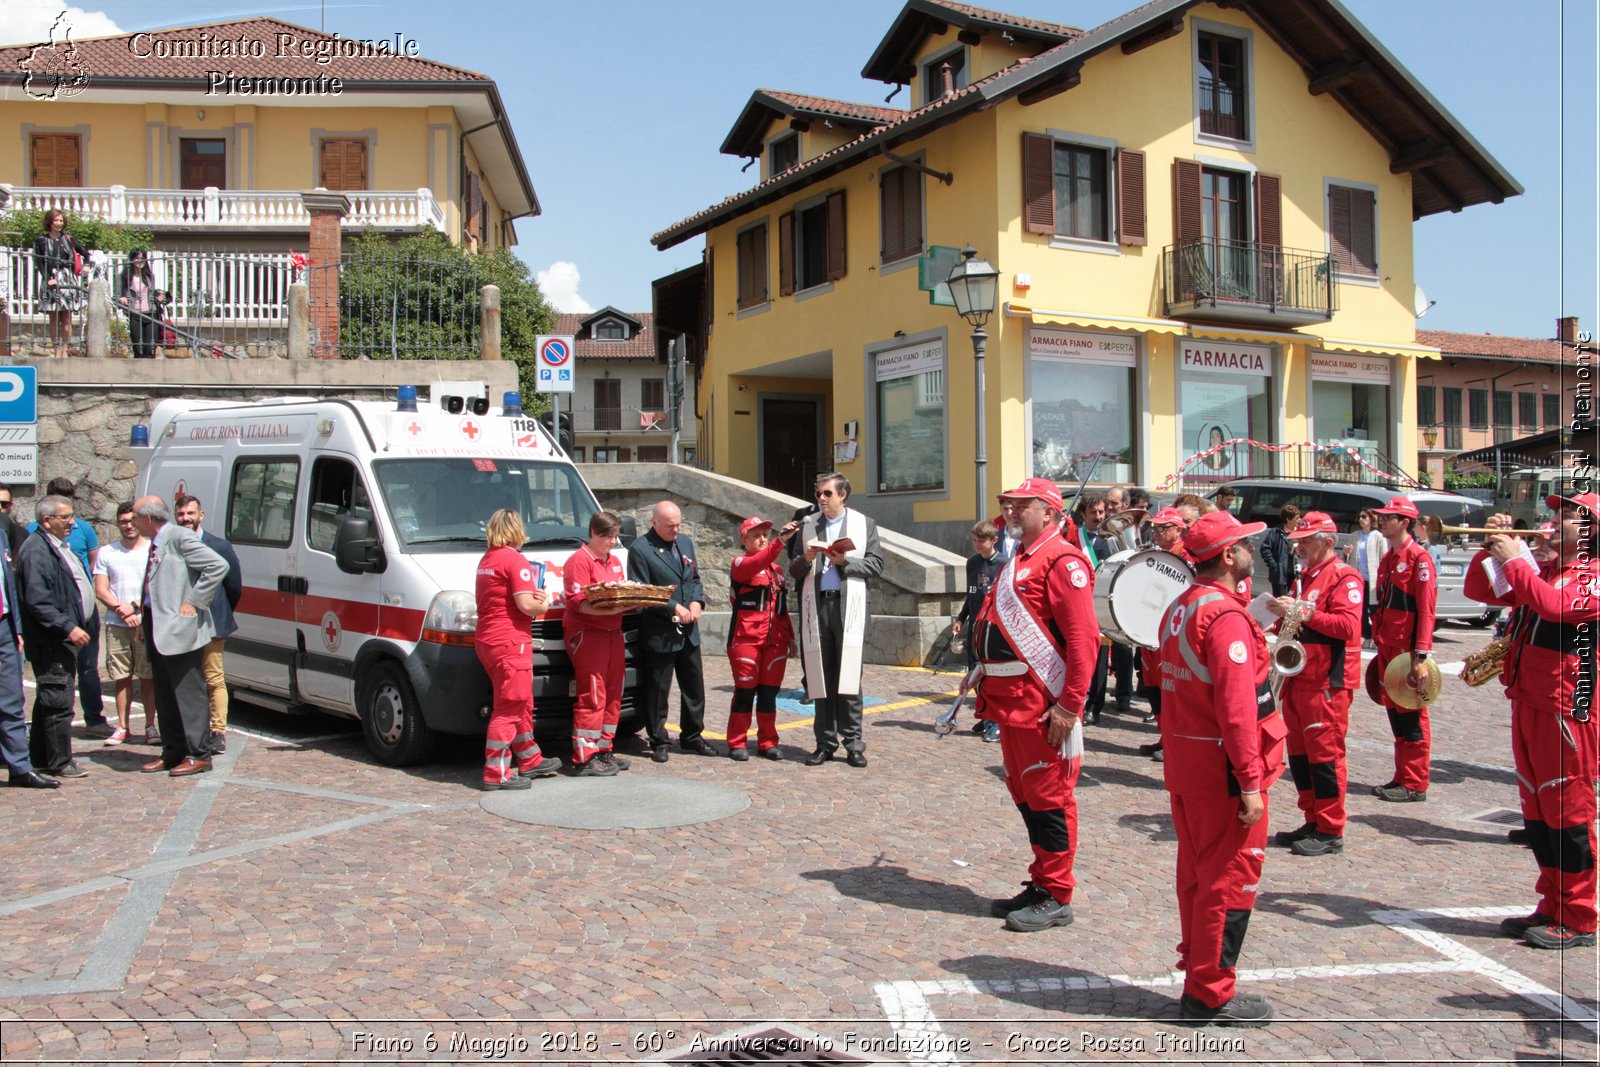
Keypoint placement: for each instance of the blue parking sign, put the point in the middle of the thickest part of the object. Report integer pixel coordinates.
(19, 394)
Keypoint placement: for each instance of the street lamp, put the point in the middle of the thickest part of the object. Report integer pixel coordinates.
(973, 283)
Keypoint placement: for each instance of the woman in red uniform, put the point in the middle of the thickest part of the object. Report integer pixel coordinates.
(759, 639)
(594, 643)
(509, 595)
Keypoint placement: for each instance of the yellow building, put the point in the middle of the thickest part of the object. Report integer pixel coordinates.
(207, 134)
(1201, 215)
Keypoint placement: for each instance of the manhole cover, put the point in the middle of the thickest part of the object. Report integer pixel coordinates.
(621, 803)
(1498, 817)
(770, 1043)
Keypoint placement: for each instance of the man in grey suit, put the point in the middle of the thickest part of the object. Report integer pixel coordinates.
(183, 577)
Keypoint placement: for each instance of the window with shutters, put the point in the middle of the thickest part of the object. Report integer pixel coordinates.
(653, 394)
(751, 246)
(783, 153)
(811, 245)
(1452, 418)
(1427, 414)
(900, 214)
(1084, 191)
(608, 404)
(1552, 411)
(344, 163)
(1353, 230)
(1528, 411)
(1222, 61)
(55, 159)
(1478, 408)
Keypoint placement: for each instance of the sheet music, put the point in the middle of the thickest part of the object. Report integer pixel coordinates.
(1497, 572)
(1258, 610)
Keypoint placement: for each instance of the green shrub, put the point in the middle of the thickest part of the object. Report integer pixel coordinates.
(22, 226)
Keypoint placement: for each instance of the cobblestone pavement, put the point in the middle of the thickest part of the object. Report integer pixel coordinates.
(303, 904)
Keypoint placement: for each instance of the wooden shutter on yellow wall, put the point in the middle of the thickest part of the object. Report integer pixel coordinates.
(1269, 211)
(836, 235)
(786, 253)
(344, 163)
(474, 205)
(1132, 229)
(1186, 222)
(1038, 184)
(56, 159)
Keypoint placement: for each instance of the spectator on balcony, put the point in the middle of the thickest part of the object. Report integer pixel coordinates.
(144, 303)
(57, 259)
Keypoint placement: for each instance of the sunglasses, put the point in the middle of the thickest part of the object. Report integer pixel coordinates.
(825, 492)
(5, 505)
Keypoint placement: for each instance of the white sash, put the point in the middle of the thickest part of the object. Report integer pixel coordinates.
(854, 614)
(1032, 643)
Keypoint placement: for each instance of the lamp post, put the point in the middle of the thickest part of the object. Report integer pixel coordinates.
(973, 284)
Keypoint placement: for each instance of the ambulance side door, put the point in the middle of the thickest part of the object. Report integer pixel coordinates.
(335, 612)
(262, 492)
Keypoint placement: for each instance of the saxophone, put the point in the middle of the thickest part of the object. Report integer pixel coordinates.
(1289, 655)
(1486, 663)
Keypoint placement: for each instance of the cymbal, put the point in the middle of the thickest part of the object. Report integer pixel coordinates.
(1394, 683)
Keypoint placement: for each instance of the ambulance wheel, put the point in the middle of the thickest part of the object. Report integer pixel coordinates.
(391, 718)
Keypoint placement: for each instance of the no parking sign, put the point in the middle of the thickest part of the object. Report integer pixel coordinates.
(554, 363)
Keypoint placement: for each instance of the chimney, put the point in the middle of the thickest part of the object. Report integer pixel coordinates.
(947, 80)
(1567, 330)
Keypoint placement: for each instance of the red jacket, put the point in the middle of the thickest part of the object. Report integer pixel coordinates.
(1549, 653)
(1053, 580)
(1332, 635)
(760, 595)
(1408, 589)
(583, 570)
(1220, 730)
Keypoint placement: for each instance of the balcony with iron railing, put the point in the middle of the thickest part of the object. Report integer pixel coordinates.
(229, 210)
(1211, 280)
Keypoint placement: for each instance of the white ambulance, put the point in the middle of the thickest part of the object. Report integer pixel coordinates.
(359, 526)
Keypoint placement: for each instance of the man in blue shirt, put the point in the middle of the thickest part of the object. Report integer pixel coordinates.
(86, 546)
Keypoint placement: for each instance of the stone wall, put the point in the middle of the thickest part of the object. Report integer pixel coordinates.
(88, 406)
(921, 587)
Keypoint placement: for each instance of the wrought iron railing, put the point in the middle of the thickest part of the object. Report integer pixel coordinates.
(1222, 110)
(607, 418)
(400, 307)
(1213, 273)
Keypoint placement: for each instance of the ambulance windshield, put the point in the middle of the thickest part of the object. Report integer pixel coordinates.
(443, 504)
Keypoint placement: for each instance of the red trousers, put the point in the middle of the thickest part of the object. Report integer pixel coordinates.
(1556, 765)
(1318, 720)
(510, 669)
(1413, 738)
(757, 677)
(598, 666)
(1043, 787)
(1219, 868)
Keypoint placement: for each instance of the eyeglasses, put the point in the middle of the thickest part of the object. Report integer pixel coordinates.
(825, 492)
(125, 522)
(5, 504)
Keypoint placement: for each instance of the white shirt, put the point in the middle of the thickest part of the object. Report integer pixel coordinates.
(124, 571)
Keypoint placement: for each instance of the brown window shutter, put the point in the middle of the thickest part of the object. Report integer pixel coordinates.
(836, 234)
(355, 164)
(1269, 211)
(1363, 232)
(1186, 221)
(1038, 184)
(891, 215)
(56, 160)
(911, 204)
(708, 299)
(786, 253)
(332, 176)
(1131, 226)
(1339, 225)
(474, 205)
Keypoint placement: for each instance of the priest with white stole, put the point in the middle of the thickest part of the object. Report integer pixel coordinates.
(841, 553)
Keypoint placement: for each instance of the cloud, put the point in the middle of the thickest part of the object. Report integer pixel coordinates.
(29, 21)
(559, 282)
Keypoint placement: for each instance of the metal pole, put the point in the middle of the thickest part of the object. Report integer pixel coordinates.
(981, 457)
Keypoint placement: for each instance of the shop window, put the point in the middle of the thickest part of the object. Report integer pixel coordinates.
(1084, 405)
(910, 417)
(1225, 395)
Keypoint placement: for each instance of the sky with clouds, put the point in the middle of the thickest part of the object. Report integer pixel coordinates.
(619, 107)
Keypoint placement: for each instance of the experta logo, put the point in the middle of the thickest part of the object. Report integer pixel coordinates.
(54, 69)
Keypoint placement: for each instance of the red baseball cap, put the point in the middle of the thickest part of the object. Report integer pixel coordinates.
(1315, 522)
(1583, 500)
(1167, 517)
(1215, 531)
(754, 522)
(1400, 506)
(1039, 489)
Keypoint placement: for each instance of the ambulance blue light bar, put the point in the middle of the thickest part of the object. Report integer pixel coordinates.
(511, 405)
(406, 398)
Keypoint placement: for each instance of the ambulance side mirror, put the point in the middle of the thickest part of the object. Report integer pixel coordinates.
(630, 531)
(356, 550)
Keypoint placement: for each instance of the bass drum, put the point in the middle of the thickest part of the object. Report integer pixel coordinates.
(1132, 591)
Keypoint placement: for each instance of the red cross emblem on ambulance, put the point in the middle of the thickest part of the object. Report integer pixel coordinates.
(330, 631)
(470, 429)
(414, 428)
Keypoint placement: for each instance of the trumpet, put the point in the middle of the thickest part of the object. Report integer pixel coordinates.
(1438, 530)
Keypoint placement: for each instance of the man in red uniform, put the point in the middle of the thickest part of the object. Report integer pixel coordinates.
(1555, 743)
(759, 637)
(1402, 625)
(1224, 741)
(1166, 526)
(1037, 639)
(1316, 702)
(594, 643)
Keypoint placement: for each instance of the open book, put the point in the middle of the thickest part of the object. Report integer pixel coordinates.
(843, 544)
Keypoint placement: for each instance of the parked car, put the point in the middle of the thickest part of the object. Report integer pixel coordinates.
(1262, 499)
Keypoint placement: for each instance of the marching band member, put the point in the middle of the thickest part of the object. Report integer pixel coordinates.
(1037, 639)
(1316, 702)
(1225, 740)
(759, 637)
(1167, 528)
(1402, 623)
(1549, 675)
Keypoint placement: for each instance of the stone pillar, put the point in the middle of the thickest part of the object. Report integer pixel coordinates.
(97, 320)
(299, 321)
(489, 334)
(327, 212)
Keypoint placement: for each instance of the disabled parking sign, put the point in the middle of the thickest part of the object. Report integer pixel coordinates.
(555, 364)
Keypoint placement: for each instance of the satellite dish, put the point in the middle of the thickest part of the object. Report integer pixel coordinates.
(1420, 302)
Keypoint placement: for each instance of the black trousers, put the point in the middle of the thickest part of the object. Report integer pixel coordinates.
(142, 333)
(658, 669)
(55, 673)
(837, 719)
(182, 712)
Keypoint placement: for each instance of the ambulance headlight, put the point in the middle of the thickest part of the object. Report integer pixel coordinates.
(451, 618)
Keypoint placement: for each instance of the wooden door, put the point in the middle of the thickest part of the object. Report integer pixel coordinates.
(791, 445)
(203, 162)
